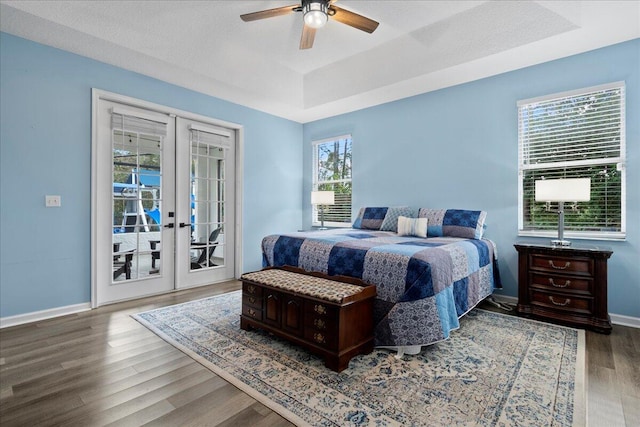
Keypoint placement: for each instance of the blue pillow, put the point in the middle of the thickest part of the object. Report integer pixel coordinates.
(390, 222)
(454, 222)
(370, 218)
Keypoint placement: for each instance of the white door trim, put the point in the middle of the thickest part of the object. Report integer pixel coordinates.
(99, 94)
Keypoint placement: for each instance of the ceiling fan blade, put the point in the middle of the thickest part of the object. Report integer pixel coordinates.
(269, 13)
(308, 35)
(353, 19)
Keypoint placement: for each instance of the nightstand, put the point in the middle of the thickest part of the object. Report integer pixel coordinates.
(566, 285)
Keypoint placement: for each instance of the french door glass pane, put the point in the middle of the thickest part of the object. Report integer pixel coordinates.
(207, 197)
(137, 203)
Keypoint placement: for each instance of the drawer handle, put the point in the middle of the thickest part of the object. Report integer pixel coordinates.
(319, 338)
(251, 289)
(566, 283)
(566, 265)
(252, 312)
(320, 309)
(561, 304)
(319, 323)
(252, 300)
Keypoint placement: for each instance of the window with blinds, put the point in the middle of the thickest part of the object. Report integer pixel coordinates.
(578, 134)
(332, 172)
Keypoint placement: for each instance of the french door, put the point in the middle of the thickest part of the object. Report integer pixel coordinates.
(163, 201)
(205, 190)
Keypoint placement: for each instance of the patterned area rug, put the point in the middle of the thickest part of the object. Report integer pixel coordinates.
(496, 370)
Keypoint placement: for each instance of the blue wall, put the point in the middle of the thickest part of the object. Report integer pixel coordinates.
(457, 148)
(45, 136)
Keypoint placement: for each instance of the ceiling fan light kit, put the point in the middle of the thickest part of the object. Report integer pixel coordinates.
(315, 13)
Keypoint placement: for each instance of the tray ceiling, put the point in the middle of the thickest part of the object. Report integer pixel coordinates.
(419, 46)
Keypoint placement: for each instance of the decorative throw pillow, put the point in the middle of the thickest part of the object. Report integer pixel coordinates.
(390, 222)
(454, 222)
(370, 218)
(412, 226)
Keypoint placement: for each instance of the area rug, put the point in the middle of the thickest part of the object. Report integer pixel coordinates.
(496, 370)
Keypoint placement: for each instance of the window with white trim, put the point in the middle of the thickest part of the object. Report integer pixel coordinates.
(332, 172)
(577, 134)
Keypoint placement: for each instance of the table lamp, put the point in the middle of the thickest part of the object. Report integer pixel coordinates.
(563, 190)
(322, 198)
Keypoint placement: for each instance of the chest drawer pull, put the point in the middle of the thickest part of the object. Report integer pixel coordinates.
(252, 300)
(320, 309)
(561, 304)
(319, 338)
(566, 265)
(566, 283)
(251, 289)
(319, 323)
(252, 312)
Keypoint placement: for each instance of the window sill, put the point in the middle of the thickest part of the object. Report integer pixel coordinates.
(611, 237)
(332, 225)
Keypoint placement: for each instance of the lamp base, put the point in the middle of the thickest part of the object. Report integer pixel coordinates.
(560, 243)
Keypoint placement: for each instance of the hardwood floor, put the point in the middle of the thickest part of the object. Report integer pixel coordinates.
(101, 367)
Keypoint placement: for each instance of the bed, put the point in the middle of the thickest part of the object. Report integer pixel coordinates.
(426, 280)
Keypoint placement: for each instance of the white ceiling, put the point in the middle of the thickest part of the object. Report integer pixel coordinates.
(419, 46)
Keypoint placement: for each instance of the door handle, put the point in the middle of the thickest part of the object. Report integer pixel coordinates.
(171, 225)
(185, 224)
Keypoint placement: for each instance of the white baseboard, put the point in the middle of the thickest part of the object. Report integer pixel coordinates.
(619, 319)
(616, 319)
(36, 316)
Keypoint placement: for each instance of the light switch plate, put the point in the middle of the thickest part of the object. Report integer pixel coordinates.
(52, 201)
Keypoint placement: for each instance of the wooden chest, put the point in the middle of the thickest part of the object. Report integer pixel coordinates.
(329, 315)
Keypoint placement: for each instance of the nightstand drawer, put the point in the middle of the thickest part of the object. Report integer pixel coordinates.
(574, 304)
(566, 283)
(562, 264)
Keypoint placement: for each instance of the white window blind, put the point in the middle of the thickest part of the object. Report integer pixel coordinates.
(210, 135)
(140, 123)
(332, 172)
(206, 138)
(578, 134)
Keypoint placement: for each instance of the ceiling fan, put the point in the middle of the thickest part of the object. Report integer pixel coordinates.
(316, 13)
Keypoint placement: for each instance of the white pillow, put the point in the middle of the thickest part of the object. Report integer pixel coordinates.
(412, 226)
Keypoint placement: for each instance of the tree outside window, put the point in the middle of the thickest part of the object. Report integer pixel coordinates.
(332, 172)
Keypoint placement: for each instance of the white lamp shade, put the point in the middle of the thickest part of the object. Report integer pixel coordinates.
(563, 190)
(322, 198)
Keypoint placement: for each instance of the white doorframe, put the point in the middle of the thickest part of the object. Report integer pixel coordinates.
(97, 95)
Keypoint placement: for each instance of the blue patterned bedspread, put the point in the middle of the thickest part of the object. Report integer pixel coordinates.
(424, 285)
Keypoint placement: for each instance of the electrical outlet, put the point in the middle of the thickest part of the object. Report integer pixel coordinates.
(52, 201)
